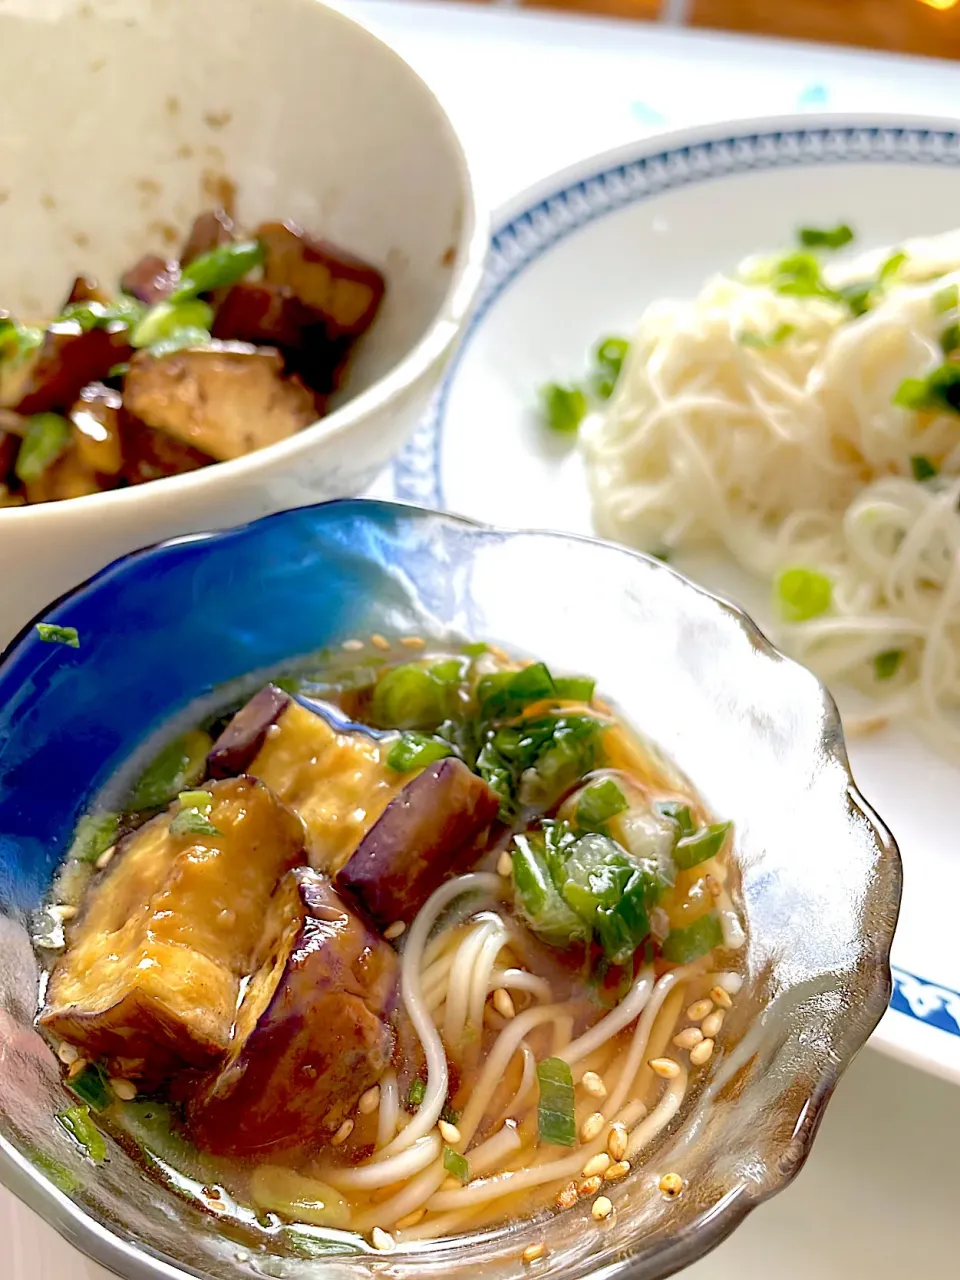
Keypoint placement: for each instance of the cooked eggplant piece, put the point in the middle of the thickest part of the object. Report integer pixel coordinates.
(152, 279)
(345, 290)
(225, 399)
(153, 970)
(67, 361)
(337, 781)
(264, 314)
(235, 749)
(96, 429)
(313, 1031)
(427, 834)
(86, 289)
(209, 231)
(151, 455)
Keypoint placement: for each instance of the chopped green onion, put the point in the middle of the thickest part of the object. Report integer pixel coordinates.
(608, 355)
(186, 339)
(612, 892)
(538, 900)
(416, 751)
(598, 803)
(699, 939)
(17, 340)
(475, 649)
(94, 835)
(798, 275)
(887, 664)
(226, 264)
(574, 688)
(946, 299)
(555, 1113)
(202, 801)
(891, 267)
(825, 237)
(191, 822)
(58, 1173)
(418, 1091)
(46, 439)
(77, 1122)
(180, 765)
(168, 318)
(448, 1115)
(562, 408)
(119, 370)
(703, 844)
(414, 696)
(938, 390)
(99, 315)
(950, 339)
(760, 341)
(91, 1086)
(922, 468)
(680, 813)
(49, 633)
(456, 1164)
(802, 594)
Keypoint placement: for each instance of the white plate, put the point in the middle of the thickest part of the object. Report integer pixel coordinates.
(579, 256)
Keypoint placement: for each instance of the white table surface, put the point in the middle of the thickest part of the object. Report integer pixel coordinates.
(529, 94)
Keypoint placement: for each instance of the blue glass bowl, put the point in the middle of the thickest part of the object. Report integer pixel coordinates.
(756, 733)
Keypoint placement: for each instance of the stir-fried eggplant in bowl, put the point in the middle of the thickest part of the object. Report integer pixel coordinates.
(388, 904)
(290, 335)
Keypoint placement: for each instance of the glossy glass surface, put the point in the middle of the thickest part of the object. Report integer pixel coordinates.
(757, 735)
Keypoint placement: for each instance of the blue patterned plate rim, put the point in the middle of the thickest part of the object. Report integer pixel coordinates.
(561, 204)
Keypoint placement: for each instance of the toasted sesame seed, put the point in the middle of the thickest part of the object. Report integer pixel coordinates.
(369, 1101)
(126, 1090)
(699, 1010)
(505, 865)
(64, 911)
(591, 1127)
(618, 1170)
(702, 1053)
(665, 1068)
(449, 1132)
(589, 1186)
(602, 1208)
(721, 997)
(76, 1068)
(105, 857)
(413, 642)
(342, 1134)
(687, 1038)
(411, 1219)
(503, 1003)
(68, 1053)
(599, 1163)
(534, 1252)
(394, 930)
(712, 1024)
(352, 646)
(593, 1084)
(379, 642)
(731, 983)
(568, 1197)
(617, 1141)
(671, 1184)
(382, 1240)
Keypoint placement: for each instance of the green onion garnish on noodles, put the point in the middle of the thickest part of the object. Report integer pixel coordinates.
(555, 1113)
(802, 594)
(939, 390)
(703, 844)
(950, 339)
(417, 1093)
(608, 355)
(826, 237)
(49, 633)
(891, 268)
(946, 299)
(562, 408)
(456, 1164)
(764, 341)
(887, 664)
(922, 468)
(699, 939)
(598, 803)
(91, 1086)
(680, 813)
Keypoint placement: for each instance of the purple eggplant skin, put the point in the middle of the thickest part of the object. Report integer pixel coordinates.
(429, 832)
(237, 747)
(315, 1033)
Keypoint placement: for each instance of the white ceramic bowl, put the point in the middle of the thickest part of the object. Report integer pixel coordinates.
(132, 112)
